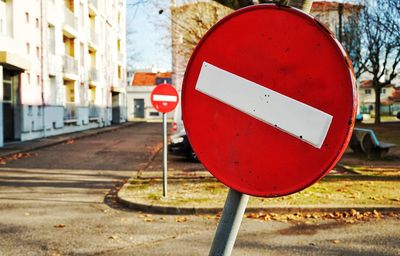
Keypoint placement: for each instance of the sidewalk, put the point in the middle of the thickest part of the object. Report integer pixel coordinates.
(26, 146)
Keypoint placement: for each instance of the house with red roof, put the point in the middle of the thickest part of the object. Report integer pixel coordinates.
(138, 94)
(367, 98)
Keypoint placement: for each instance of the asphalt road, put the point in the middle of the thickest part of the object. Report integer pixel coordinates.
(60, 202)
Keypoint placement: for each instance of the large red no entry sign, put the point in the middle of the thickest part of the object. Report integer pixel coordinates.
(269, 100)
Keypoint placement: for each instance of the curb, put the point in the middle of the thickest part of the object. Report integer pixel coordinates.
(158, 209)
(173, 210)
(71, 136)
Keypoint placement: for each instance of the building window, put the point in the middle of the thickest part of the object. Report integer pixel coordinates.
(37, 23)
(30, 110)
(52, 44)
(383, 91)
(27, 17)
(38, 80)
(367, 91)
(163, 80)
(37, 52)
(28, 48)
(28, 77)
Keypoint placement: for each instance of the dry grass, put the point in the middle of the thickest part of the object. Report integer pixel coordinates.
(369, 187)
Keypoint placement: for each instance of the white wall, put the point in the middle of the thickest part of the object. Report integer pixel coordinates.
(142, 92)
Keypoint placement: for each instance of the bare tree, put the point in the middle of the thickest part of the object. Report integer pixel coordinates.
(189, 23)
(304, 5)
(236, 4)
(380, 52)
(349, 33)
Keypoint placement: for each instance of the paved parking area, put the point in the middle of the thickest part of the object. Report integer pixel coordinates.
(60, 201)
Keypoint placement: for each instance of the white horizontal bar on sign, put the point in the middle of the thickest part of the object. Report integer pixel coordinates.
(289, 115)
(166, 98)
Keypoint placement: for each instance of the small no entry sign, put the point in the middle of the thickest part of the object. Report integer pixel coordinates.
(268, 100)
(164, 98)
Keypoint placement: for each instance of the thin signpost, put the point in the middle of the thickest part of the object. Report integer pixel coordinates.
(165, 175)
(164, 99)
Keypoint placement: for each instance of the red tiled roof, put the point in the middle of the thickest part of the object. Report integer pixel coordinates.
(148, 78)
(368, 84)
(396, 95)
(144, 78)
(164, 75)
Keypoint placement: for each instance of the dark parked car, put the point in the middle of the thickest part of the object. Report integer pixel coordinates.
(180, 145)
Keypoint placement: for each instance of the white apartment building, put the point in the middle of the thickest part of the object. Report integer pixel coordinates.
(62, 66)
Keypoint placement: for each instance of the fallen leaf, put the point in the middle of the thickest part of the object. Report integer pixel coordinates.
(266, 218)
(377, 214)
(70, 142)
(252, 215)
(181, 219)
(354, 212)
(149, 220)
(335, 241)
(59, 226)
(112, 237)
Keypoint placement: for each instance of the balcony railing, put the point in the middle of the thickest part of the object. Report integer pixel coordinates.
(83, 74)
(52, 64)
(94, 75)
(121, 57)
(70, 111)
(70, 65)
(121, 82)
(94, 37)
(69, 18)
(93, 110)
(94, 3)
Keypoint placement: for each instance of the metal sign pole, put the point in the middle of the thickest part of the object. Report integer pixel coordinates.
(228, 227)
(164, 155)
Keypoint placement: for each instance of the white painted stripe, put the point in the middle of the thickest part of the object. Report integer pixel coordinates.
(291, 116)
(166, 98)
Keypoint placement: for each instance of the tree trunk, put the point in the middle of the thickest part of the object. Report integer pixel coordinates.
(304, 5)
(378, 91)
(340, 14)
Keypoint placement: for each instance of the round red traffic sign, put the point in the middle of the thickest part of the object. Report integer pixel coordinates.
(268, 100)
(164, 98)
